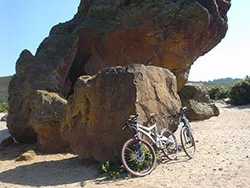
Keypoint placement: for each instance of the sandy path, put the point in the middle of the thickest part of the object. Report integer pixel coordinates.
(222, 160)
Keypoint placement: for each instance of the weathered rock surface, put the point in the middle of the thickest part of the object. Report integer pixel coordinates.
(45, 71)
(196, 98)
(101, 104)
(46, 114)
(166, 33)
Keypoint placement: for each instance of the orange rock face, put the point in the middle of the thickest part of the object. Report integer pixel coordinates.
(169, 34)
(101, 104)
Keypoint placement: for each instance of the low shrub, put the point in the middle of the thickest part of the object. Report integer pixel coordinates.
(4, 107)
(113, 168)
(240, 93)
(218, 92)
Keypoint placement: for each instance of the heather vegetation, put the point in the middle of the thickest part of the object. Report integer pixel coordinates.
(238, 93)
(218, 92)
(3, 106)
(4, 82)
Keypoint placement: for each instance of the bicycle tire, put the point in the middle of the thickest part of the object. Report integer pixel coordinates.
(135, 164)
(170, 149)
(186, 139)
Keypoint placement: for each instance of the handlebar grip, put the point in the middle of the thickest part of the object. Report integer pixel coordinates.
(125, 125)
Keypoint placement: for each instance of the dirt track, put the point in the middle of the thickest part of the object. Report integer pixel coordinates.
(222, 160)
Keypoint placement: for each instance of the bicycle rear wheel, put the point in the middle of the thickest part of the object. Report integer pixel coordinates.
(138, 157)
(187, 142)
(170, 144)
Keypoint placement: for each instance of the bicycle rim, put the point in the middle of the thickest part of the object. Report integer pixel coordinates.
(187, 142)
(138, 157)
(170, 145)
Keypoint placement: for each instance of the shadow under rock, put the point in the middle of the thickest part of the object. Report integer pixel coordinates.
(14, 150)
(51, 173)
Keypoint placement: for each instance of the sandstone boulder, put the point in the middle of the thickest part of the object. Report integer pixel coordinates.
(196, 98)
(46, 114)
(102, 103)
(45, 71)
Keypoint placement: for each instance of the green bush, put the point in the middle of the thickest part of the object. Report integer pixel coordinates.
(113, 168)
(4, 107)
(240, 93)
(247, 78)
(218, 92)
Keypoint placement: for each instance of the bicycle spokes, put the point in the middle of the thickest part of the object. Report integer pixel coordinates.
(188, 142)
(138, 157)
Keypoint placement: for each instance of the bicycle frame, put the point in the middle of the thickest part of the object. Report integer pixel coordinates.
(186, 122)
(147, 131)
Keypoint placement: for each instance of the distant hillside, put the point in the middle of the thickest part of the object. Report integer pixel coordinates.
(4, 82)
(227, 82)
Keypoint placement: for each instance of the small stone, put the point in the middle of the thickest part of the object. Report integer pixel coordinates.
(220, 169)
(27, 156)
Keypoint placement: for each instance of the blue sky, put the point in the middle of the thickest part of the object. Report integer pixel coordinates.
(231, 57)
(25, 23)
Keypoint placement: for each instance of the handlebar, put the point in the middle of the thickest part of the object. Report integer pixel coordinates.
(133, 118)
(182, 111)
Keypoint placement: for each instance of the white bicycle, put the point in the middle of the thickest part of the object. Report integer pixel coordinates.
(138, 156)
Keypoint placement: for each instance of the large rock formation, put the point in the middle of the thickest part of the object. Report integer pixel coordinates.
(196, 98)
(166, 33)
(45, 71)
(101, 104)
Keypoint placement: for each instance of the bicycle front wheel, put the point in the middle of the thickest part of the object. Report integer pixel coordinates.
(170, 144)
(187, 142)
(138, 157)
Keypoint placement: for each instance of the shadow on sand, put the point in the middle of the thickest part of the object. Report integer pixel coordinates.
(51, 173)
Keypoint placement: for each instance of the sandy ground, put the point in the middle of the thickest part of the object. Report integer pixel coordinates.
(222, 160)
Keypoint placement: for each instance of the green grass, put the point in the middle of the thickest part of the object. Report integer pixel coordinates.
(4, 83)
(4, 107)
